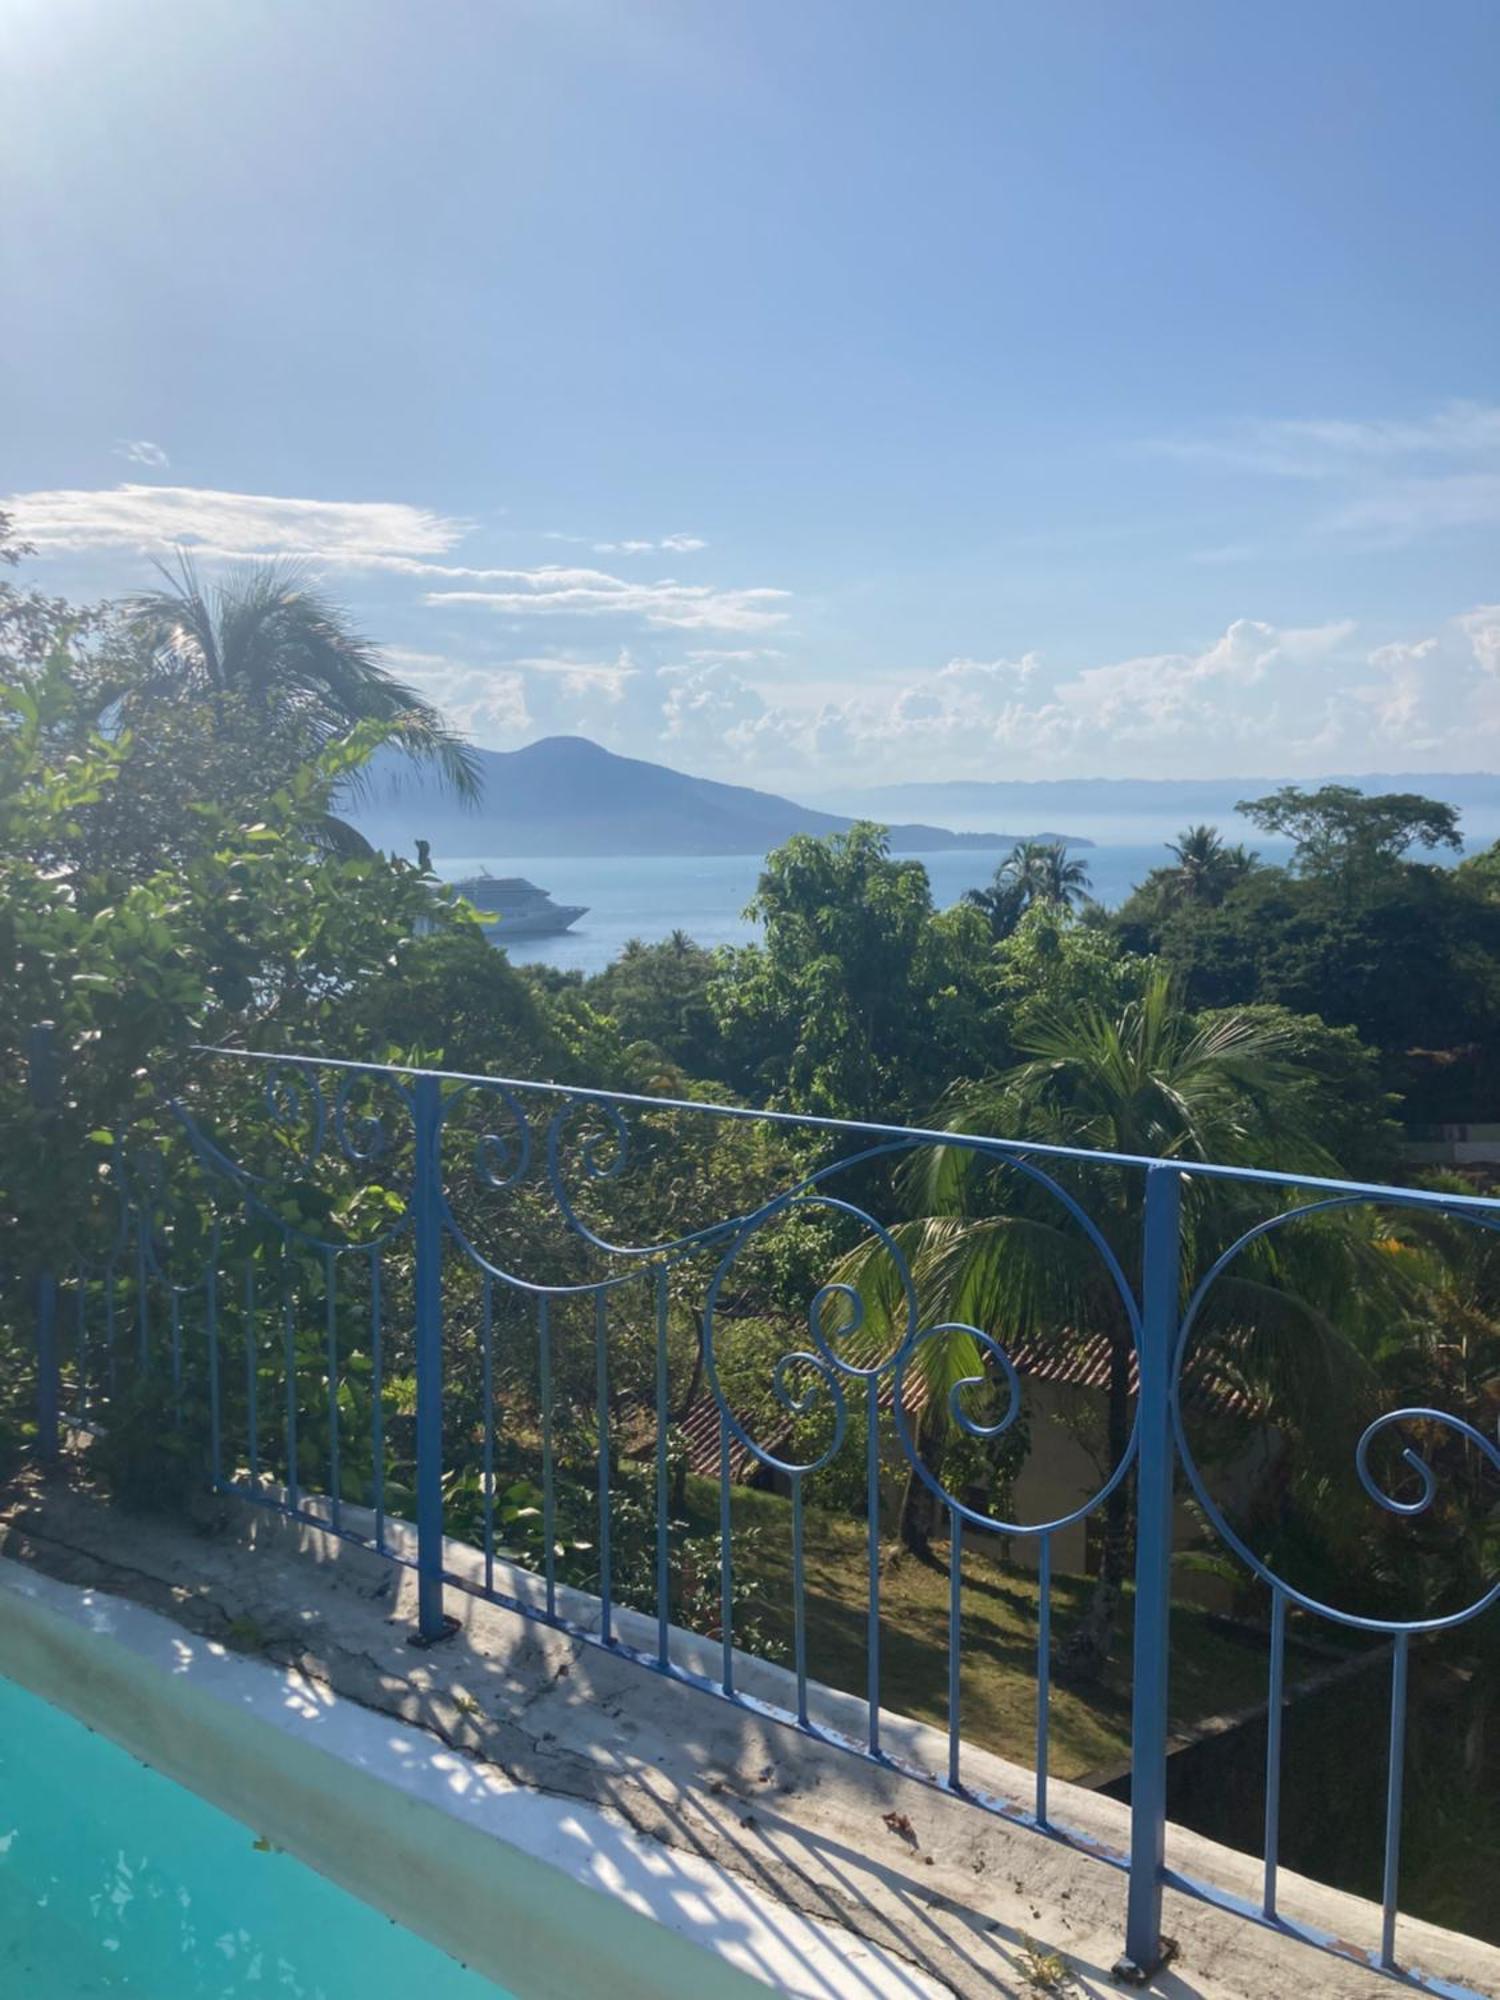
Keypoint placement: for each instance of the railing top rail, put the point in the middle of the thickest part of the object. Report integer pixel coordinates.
(1485, 1205)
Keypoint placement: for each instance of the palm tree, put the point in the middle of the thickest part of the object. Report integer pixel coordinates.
(1207, 867)
(1001, 902)
(993, 1250)
(267, 637)
(1046, 874)
(1034, 872)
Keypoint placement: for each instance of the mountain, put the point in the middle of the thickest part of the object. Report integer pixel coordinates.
(566, 795)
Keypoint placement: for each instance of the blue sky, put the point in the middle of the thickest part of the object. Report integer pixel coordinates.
(808, 392)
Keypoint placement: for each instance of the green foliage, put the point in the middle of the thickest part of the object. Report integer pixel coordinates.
(1036, 874)
(452, 1001)
(1050, 961)
(862, 1002)
(1348, 836)
(269, 638)
(659, 994)
(1412, 964)
(153, 1455)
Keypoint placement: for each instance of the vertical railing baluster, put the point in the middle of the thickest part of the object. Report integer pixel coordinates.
(48, 1385)
(487, 1372)
(80, 1348)
(663, 1601)
(1273, 1749)
(549, 1497)
(799, 1600)
(331, 1336)
(1160, 1309)
(601, 1394)
(955, 1634)
(377, 1398)
(1395, 1776)
(111, 1364)
(726, 1560)
(142, 1295)
(872, 1551)
(211, 1332)
(1043, 1675)
(427, 1259)
(252, 1377)
(289, 1343)
(42, 1085)
(176, 1319)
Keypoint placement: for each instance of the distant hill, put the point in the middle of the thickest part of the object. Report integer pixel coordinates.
(566, 795)
(1154, 808)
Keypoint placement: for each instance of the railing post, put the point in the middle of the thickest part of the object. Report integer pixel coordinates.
(427, 1251)
(42, 1087)
(1145, 1949)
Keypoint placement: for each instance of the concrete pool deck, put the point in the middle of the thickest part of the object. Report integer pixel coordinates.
(765, 1857)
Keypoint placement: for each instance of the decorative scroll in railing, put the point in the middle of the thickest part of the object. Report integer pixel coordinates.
(430, 1311)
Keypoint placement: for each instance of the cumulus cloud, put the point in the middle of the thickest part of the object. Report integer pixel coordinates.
(504, 702)
(1256, 697)
(1482, 629)
(141, 451)
(487, 703)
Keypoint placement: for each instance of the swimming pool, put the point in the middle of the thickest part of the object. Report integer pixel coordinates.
(115, 1880)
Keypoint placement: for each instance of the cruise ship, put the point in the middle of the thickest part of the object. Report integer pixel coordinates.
(522, 908)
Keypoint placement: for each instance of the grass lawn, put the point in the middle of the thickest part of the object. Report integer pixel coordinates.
(1212, 1671)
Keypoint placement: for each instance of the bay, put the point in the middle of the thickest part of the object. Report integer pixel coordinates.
(650, 896)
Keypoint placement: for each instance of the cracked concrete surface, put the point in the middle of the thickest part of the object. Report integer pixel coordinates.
(975, 1904)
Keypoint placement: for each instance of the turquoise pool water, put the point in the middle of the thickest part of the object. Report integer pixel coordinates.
(115, 1880)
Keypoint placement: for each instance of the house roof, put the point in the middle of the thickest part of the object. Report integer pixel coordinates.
(1080, 1361)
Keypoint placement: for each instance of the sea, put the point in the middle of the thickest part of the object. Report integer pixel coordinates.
(650, 896)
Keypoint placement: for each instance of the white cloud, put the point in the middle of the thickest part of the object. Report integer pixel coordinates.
(554, 590)
(701, 654)
(1329, 448)
(150, 519)
(485, 702)
(1400, 509)
(1482, 629)
(141, 451)
(1394, 479)
(681, 545)
(608, 676)
(1258, 697)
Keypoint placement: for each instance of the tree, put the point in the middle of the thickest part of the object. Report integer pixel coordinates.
(1412, 963)
(1034, 872)
(249, 935)
(1207, 866)
(1348, 836)
(1053, 959)
(993, 1251)
(268, 638)
(1002, 902)
(862, 1001)
(659, 993)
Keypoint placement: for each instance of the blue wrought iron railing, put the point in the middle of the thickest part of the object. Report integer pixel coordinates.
(382, 1294)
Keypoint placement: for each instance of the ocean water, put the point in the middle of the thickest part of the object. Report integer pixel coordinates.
(649, 896)
(115, 1880)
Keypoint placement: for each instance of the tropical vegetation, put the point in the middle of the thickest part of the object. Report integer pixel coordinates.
(178, 868)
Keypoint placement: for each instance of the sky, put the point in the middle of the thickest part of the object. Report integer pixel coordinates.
(812, 392)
